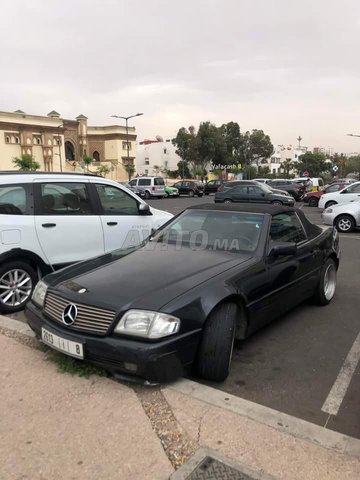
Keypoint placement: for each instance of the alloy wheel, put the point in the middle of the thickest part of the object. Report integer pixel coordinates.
(15, 287)
(329, 281)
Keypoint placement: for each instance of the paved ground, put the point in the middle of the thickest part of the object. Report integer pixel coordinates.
(292, 364)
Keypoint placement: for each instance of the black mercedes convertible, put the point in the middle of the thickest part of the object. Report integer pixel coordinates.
(212, 274)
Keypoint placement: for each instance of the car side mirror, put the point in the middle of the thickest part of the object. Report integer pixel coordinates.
(283, 249)
(144, 209)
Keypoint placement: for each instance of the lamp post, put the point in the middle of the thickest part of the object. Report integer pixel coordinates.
(127, 137)
(59, 144)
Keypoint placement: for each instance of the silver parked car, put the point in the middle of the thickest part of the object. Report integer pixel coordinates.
(345, 217)
(148, 186)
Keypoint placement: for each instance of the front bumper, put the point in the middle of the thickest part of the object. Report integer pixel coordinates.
(328, 218)
(156, 362)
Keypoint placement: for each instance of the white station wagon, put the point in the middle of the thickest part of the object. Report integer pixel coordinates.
(51, 220)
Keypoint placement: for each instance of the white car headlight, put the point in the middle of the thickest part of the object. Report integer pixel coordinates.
(39, 293)
(144, 323)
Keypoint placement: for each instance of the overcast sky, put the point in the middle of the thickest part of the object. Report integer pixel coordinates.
(289, 67)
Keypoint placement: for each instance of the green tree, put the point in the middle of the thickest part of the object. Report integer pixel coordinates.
(286, 166)
(314, 163)
(264, 171)
(186, 145)
(87, 161)
(183, 169)
(353, 166)
(211, 146)
(26, 163)
(232, 137)
(103, 170)
(156, 169)
(255, 148)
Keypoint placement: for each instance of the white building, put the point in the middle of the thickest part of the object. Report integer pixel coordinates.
(156, 153)
(282, 153)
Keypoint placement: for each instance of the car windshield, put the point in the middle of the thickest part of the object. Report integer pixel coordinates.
(214, 230)
(265, 188)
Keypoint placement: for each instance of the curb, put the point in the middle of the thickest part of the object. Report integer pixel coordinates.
(272, 418)
(16, 326)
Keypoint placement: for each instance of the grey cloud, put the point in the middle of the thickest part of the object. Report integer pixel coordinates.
(289, 67)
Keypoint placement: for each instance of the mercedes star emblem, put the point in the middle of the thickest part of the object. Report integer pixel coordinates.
(69, 314)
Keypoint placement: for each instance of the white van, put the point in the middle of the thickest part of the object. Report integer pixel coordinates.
(317, 183)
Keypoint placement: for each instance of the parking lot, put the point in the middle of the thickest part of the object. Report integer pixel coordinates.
(300, 364)
(293, 364)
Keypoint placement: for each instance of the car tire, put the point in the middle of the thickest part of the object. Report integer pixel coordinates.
(206, 194)
(216, 347)
(276, 202)
(330, 203)
(167, 195)
(191, 193)
(325, 290)
(200, 195)
(147, 195)
(27, 279)
(313, 202)
(345, 223)
(228, 200)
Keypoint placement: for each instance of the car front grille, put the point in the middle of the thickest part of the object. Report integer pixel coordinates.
(89, 319)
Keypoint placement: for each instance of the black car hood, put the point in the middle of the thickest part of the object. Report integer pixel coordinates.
(141, 278)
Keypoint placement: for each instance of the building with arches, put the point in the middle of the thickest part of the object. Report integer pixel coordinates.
(60, 144)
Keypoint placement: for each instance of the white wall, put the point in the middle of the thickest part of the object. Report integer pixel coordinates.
(161, 154)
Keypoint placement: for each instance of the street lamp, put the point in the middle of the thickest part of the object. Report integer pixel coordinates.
(59, 144)
(127, 137)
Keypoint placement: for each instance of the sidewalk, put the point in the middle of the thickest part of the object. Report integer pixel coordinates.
(57, 426)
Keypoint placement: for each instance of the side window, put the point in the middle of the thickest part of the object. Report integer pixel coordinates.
(115, 201)
(13, 200)
(64, 199)
(286, 227)
(241, 189)
(159, 181)
(144, 182)
(252, 190)
(353, 189)
(132, 183)
(177, 185)
(332, 188)
(211, 183)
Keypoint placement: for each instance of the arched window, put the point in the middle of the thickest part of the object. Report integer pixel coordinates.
(96, 156)
(38, 141)
(7, 139)
(69, 151)
(17, 140)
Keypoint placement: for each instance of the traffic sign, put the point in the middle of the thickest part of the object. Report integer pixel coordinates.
(335, 168)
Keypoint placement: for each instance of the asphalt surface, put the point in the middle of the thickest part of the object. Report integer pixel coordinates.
(292, 364)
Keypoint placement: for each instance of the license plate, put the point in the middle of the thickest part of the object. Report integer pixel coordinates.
(74, 349)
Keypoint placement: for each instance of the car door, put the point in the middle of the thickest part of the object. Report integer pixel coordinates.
(179, 186)
(257, 195)
(211, 186)
(122, 224)
(66, 222)
(350, 193)
(289, 279)
(239, 194)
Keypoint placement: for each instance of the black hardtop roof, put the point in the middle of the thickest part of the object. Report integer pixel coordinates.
(245, 207)
(265, 209)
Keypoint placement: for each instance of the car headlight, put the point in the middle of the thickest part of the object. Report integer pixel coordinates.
(144, 323)
(39, 293)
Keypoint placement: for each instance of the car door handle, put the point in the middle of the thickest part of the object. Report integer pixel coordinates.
(112, 224)
(48, 225)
